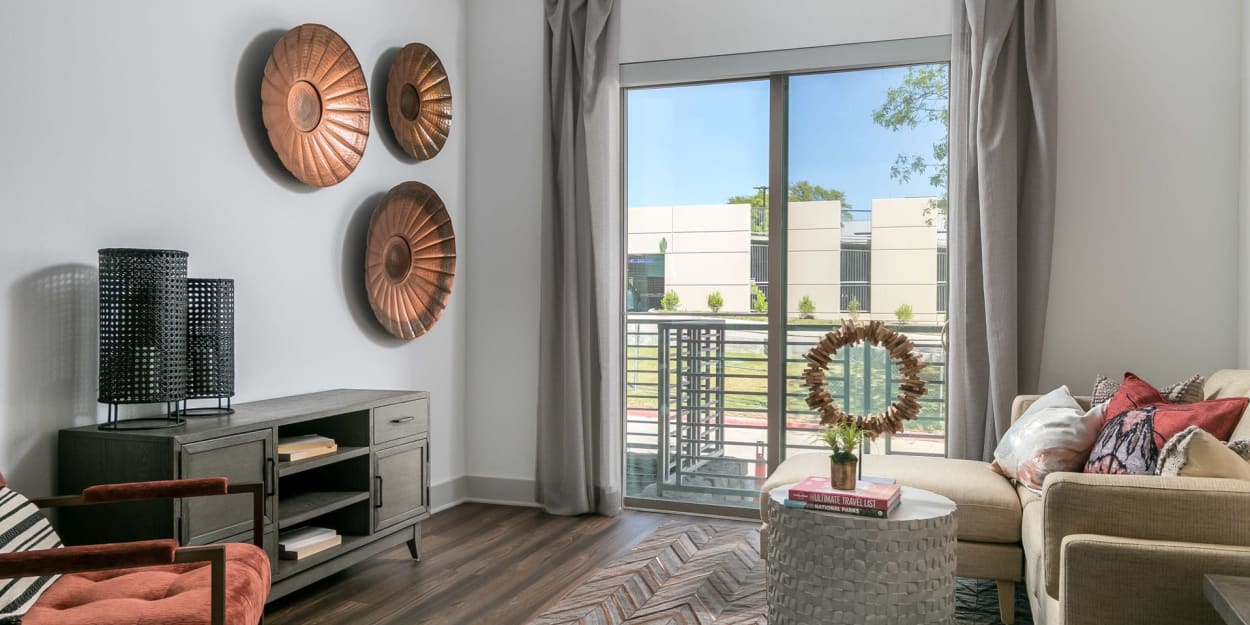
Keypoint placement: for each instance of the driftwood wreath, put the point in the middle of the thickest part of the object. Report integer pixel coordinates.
(905, 407)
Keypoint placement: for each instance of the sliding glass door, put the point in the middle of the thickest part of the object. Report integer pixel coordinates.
(729, 282)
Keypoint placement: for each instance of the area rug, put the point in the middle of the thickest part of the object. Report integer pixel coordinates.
(704, 573)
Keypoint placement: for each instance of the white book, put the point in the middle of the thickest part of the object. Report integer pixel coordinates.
(304, 552)
(303, 537)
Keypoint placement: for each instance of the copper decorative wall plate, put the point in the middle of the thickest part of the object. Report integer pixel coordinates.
(410, 260)
(418, 101)
(315, 105)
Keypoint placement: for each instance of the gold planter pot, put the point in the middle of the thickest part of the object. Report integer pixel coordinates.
(842, 474)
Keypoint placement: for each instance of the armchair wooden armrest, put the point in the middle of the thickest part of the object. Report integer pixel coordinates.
(87, 558)
(168, 489)
(1198, 510)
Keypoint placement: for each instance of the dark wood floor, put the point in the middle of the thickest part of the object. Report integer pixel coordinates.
(480, 565)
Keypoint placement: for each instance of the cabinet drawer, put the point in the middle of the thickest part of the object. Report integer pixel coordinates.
(398, 421)
(400, 476)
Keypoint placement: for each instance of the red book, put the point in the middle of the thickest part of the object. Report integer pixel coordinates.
(868, 495)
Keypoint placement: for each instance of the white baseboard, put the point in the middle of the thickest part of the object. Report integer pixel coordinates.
(448, 494)
(502, 491)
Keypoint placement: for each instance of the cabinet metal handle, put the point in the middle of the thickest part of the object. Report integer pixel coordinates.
(271, 476)
(403, 419)
(378, 502)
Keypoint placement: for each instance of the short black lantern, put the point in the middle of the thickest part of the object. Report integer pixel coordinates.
(143, 333)
(210, 345)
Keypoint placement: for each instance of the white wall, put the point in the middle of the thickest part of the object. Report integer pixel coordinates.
(1243, 310)
(653, 30)
(137, 124)
(1146, 228)
(505, 193)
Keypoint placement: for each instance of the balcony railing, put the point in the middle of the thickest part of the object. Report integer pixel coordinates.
(697, 402)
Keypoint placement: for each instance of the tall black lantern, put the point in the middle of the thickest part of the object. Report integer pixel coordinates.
(143, 333)
(210, 345)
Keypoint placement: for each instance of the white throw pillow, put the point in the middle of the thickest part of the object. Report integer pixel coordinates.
(1054, 434)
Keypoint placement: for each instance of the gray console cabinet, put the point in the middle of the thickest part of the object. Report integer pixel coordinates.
(374, 490)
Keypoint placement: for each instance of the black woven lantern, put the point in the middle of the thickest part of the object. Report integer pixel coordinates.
(143, 332)
(210, 345)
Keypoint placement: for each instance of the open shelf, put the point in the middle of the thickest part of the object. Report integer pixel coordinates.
(343, 453)
(299, 508)
(288, 567)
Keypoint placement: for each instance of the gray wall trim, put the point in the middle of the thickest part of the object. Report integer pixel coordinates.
(448, 494)
(936, 49)
(502, 490)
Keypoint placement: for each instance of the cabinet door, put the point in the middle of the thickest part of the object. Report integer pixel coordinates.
(399, 483)
(241, 458)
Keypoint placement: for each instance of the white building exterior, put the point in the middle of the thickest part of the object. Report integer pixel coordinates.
(707, 248)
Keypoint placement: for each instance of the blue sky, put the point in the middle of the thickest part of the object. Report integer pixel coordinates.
(702, 144)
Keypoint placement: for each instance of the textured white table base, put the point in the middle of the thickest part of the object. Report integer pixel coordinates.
(834, 568)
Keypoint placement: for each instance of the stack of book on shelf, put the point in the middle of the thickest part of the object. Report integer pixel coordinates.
(307, 541)
(873, 497)
(305, 447)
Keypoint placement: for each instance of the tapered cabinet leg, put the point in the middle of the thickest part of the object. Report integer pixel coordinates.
(1006, 602)
(414, 543)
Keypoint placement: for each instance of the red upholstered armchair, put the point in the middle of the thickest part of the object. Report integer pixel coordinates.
(150, 581)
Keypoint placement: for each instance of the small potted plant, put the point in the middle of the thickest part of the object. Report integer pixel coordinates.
(843, 439)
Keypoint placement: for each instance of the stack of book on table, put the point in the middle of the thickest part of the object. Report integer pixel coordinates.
(307, 541)
(305, 447)
(872, 497)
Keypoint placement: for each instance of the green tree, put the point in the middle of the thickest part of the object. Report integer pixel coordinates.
(807, 307)
(670, 301)
(715, 301)
(904, 313)
(759, 303)
(852, 307)
(923, 97)
(800, 191)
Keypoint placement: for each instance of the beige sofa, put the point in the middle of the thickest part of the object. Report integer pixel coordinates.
(1092, 549)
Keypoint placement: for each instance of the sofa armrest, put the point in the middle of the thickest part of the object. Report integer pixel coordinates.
(1184, 509)
(1108, 580)
(87, 558)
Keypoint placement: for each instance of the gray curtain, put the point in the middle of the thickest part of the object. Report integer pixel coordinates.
(579, 396)
(1002, 206)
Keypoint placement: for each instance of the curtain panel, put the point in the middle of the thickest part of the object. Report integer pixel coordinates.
(1002, 207)
(580, 406)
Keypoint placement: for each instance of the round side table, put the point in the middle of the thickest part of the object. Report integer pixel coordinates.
(841, 568)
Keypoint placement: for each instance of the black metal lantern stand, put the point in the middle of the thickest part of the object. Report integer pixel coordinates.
(143, 333)
(210, 346)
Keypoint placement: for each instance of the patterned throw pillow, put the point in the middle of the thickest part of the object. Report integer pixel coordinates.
(1130, 442)
(1186, 391)
(22, 528)
(1126, 444)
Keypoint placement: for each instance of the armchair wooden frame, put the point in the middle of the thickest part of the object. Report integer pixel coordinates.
(148, 553)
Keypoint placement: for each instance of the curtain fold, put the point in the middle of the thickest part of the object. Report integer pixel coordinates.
(1002, 207)
(579, 397)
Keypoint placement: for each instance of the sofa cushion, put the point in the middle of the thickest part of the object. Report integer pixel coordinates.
(177, 593)
(987, 507)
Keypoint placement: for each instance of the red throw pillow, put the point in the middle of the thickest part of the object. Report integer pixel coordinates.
(1134, 393)
(1217, 416)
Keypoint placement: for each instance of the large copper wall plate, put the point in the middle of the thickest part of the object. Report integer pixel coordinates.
(315, 105)
(418, 101)
(410, 260)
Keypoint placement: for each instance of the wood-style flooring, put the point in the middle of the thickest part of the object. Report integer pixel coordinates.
(480, 565)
